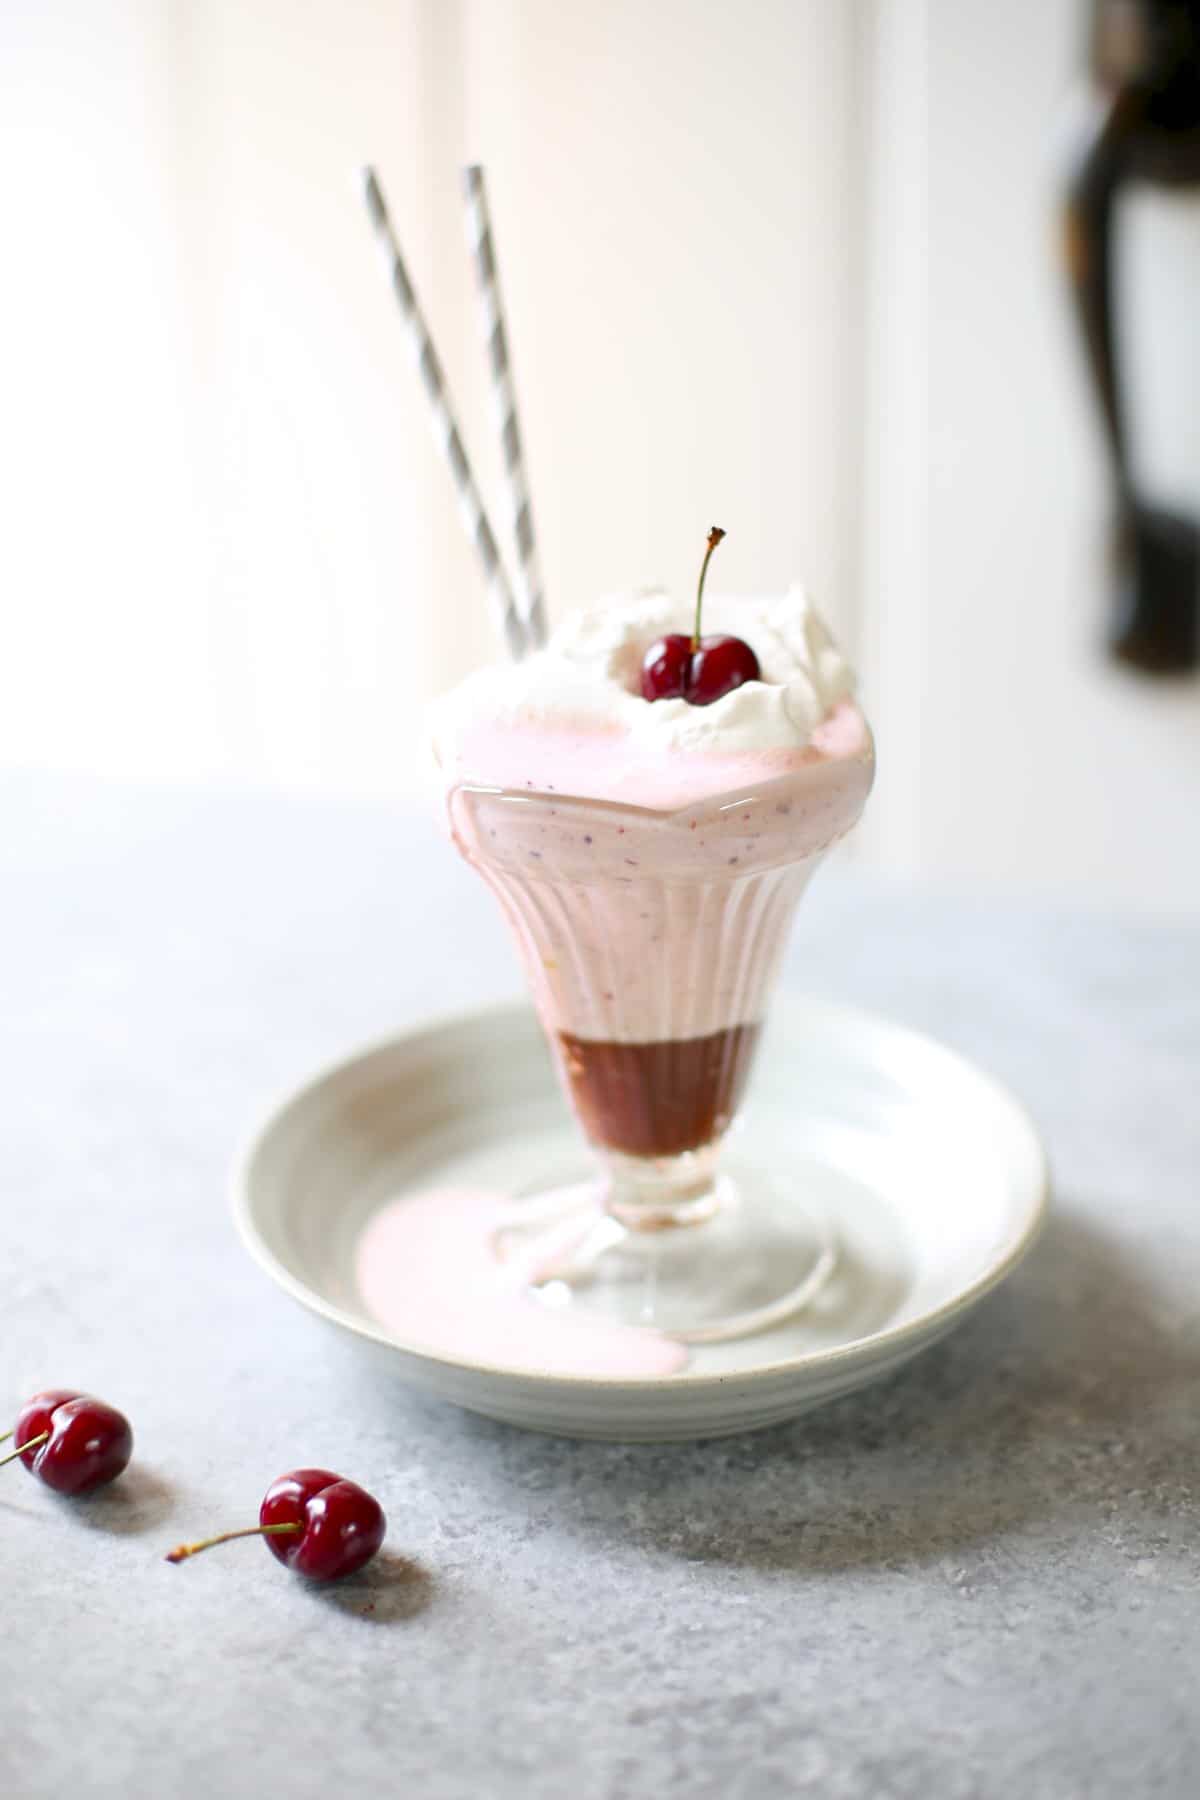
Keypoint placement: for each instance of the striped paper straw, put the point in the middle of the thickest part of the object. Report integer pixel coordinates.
(479, 236)
(445, 428)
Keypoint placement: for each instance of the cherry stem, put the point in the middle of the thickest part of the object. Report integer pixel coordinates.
(181, 1551)
(714, 538)
(4, 1436)
(22, 1448)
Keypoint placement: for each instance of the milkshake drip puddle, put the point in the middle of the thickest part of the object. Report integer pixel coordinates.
(426, 1271)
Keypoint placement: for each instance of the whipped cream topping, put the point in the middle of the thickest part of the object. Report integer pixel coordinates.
(586, 679)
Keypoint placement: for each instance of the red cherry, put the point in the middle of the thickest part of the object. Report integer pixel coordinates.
(717, 667)
(343, 1525)
(665, 667)
(318, 1524)
(70, 1441)
(697, 669)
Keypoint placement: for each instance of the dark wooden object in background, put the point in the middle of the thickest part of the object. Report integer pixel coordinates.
(1145, 68)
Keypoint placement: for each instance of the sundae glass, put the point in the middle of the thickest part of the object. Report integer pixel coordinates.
(648, 805)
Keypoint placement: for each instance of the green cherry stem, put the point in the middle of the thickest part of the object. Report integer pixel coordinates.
(714, 538)
(22, 1448)
(181, 1551)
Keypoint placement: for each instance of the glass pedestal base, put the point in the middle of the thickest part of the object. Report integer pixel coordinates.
(727, 1255)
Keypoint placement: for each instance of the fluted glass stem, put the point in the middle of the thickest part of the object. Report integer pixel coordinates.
(659, 1193)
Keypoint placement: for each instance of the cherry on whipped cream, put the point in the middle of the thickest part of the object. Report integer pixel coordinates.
(717, 667)
(666, 667)
(697, 669)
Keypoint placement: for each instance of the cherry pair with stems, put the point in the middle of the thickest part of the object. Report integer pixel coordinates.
(683, 666)
(314, 1522)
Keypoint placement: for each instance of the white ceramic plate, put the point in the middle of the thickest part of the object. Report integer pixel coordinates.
(933, 1174)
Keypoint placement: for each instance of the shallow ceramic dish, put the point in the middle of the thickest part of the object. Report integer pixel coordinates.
(932, 1174)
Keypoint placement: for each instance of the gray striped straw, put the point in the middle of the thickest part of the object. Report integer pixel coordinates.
(445, 428)
(479, 235)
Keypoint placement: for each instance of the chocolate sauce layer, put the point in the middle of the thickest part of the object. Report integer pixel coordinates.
(662, 1098)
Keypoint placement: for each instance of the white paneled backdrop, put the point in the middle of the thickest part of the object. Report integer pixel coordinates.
(787, 265)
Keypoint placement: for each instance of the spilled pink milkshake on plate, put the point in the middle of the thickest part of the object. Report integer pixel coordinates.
(648, 855)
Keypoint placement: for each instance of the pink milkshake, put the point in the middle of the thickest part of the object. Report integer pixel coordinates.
(648, 856)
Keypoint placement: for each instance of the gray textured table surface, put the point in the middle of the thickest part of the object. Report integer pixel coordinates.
(980, 1578)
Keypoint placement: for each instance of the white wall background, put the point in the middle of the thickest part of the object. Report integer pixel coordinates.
(789, 266)
(235, 530)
